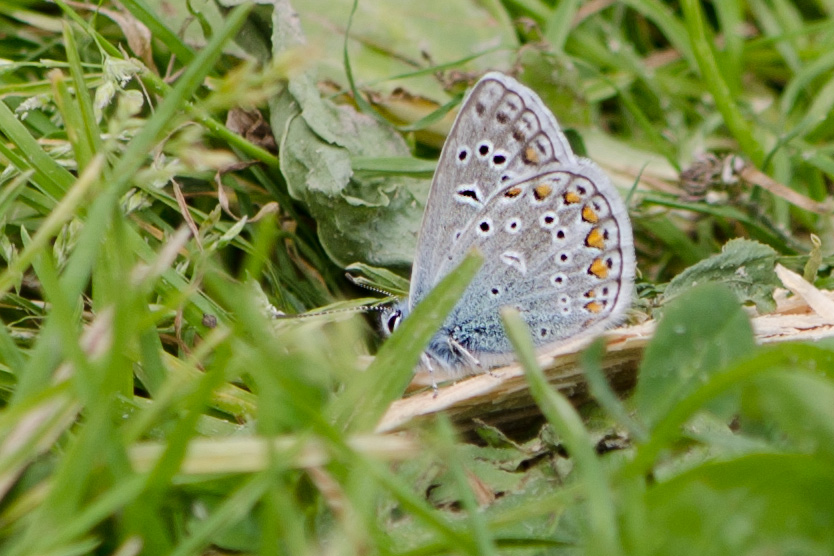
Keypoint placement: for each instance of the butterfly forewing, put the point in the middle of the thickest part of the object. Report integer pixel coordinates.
(502, 133)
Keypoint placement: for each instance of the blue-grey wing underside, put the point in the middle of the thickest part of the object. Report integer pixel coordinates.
(501, 133)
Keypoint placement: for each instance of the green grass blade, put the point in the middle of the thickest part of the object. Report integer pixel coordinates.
(367, 397)
(702, 47)
(602, 536)
(559, 24)
(88, 140)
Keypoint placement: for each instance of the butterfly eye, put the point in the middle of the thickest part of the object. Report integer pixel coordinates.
(393, 321)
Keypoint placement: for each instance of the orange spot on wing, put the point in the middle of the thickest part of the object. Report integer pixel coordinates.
(541, 191)
(572, 197)
(530, 155)
(589, 215)
(595, 306)
(599, 269)
(595, 238)
(513, 192)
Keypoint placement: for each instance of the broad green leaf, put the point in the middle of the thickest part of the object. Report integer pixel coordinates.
(745, 266)
(699, 334)
(757, 504)
(374, 219)
(500, 470)
(802, 405)
(391, 37)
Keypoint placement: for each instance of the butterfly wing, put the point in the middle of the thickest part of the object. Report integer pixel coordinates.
(558, 247)
(503, 131)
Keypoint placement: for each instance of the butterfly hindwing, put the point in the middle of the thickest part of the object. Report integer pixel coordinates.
(557, 247)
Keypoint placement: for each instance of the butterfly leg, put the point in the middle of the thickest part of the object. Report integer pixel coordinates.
(465, 354)
(471, 360)
(426, 361)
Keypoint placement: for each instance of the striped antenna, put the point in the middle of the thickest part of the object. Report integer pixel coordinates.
(377, 306)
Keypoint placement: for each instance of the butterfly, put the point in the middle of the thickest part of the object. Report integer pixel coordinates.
(555, 234)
